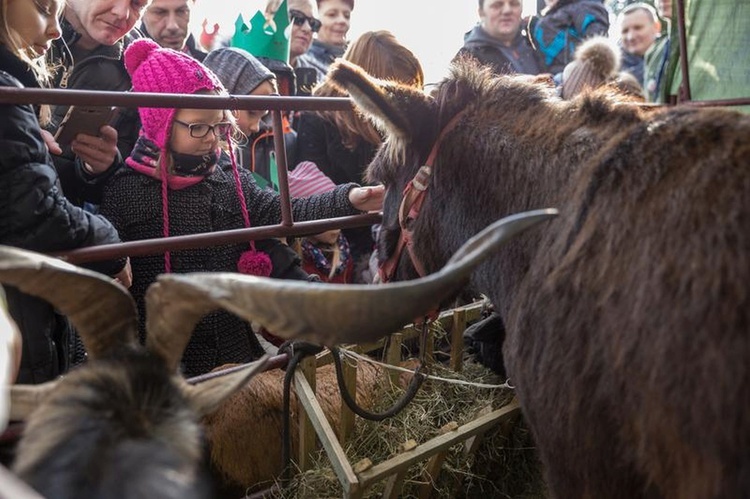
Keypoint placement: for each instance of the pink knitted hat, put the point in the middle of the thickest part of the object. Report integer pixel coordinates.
(160, 70)
(307, 179)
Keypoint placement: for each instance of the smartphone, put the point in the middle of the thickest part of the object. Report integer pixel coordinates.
(306, 80)
(83, 119)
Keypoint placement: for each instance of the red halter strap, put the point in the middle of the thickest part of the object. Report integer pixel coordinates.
(411, 205)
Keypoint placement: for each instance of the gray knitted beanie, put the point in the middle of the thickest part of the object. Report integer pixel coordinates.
(238, 70)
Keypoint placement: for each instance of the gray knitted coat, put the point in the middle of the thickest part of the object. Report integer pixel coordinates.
(133, 203)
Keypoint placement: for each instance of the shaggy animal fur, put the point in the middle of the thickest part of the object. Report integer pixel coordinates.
(134, 425)
(628, 331)
(244, 435)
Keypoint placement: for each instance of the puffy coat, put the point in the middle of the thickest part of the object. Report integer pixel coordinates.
(35, 215)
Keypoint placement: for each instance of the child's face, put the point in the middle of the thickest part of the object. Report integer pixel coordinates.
(211, 122)
(35, 22)
(329, 237)
(249, 121)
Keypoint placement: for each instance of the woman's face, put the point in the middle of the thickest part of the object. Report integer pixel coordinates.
(249, 121)
(302, 35)
(187, 141)
(335, 16)
(36, 23)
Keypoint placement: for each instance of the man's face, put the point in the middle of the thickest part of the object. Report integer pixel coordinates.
(167, 22)
(501, 19)
(103, 22)
(665, 8)
(638, 32)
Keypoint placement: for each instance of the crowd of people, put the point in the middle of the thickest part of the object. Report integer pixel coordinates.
(160, 172)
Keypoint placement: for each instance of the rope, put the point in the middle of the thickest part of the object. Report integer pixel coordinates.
(397, 407)
(356, 356)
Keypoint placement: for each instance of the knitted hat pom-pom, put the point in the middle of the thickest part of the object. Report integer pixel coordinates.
(137, 52)
(255, 263)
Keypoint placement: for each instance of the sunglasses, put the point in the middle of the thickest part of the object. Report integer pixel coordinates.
(200, 130)
(299, 18)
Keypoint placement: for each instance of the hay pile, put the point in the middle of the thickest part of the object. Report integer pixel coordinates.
(504, 466)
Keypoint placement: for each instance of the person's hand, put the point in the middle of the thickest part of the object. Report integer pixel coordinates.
(125, 276)
(367, 198)
(97, 153)
(51, 143)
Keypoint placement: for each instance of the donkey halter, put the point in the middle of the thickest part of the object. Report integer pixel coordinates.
(411, 205)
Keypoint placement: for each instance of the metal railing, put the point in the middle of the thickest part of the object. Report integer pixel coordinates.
(276, 104)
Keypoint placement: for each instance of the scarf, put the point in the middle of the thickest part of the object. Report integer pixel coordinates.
(313, 253)
(189, 169)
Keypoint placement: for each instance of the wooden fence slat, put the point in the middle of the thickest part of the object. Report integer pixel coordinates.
(437, 444)
(393, 485)
(327, 436)
(346, 420)
(306, 369)
(457, 340)
(393, 355)
(430, 475)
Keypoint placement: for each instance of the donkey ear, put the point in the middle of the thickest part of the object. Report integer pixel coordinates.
(387, 104)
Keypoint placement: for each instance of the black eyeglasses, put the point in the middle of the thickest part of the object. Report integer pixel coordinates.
(200, 130)
(299, 18)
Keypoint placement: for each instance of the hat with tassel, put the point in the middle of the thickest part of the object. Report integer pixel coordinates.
(162, 70)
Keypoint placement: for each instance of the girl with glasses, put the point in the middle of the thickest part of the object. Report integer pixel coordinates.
(182, 179)
(34, 214)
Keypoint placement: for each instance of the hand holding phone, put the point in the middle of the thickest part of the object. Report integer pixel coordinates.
(96, 153)
(83, 119)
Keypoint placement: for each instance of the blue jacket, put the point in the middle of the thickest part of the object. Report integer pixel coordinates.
(557, 34)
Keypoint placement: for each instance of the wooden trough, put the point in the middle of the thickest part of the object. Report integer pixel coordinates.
(356, 479)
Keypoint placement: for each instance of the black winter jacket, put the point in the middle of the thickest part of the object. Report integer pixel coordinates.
(133, 202)
(319, 141)
(35, 215)
(100, 69)
(519, 58)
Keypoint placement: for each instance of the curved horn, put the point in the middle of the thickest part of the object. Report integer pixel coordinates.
(101, 310)
(337, 313)
(207, 396)
(171, 317)
(24, 399)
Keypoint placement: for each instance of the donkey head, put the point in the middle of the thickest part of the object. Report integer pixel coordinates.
(414, 124)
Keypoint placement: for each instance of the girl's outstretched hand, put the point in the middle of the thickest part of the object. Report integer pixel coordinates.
(367, 198)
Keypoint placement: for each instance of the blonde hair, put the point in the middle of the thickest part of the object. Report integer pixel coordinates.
(12, 40)
(381, 55)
